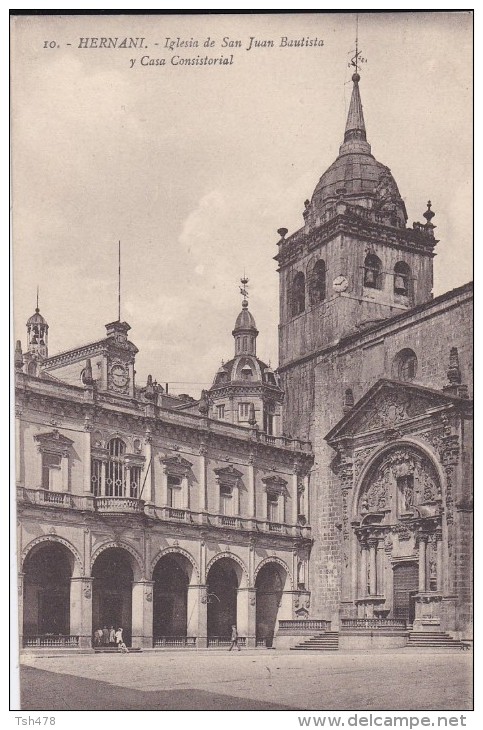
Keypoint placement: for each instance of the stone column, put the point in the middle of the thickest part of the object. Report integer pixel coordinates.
(422, 563)
(147, 494)
(164, 488)
(251, 488)
(64, 471)
(373, 567)
(142, 613)
(18, 447)
(246, 615)
(87, 458)
(307, 497)
(294, 495)
(185, 491)
(439, 563)
(81, 610)
(198, 615)
(363, 572)
(21, 577)
(103, 479)
(202, 498)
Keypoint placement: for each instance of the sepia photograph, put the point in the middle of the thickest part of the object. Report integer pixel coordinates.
(242, 262)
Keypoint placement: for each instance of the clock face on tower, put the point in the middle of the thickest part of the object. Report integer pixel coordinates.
(119, 375)
(340, 283)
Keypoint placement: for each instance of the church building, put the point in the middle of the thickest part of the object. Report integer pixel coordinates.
(377, 374)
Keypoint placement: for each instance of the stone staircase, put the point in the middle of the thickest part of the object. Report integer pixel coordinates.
(433, 640)
(327, 641)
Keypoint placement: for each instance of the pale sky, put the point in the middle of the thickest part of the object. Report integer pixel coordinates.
(194, 168)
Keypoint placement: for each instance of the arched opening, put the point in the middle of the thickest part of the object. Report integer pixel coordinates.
(405, 582)
(171, 577)
(402, 279)
(112, 592)
(405, 366)
(270, 583)
(317, 282)
(223, 582)
(48, 570)
(372, 272)
(298, 294)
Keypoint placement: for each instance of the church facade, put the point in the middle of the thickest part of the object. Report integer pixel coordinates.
(376, 374)
(332, 493)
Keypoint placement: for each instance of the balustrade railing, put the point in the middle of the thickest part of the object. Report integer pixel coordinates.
(228, 521)
(304, 624)
(119, 504)
(174, 641)
(50, 640)
(223, 641)
(372, 623)
(55, 499)
(176, 514)
(275, 527)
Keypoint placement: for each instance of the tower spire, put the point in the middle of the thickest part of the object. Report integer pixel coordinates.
(119, 285)
(355, 128)
(37, 307)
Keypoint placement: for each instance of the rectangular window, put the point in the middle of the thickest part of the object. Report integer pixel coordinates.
(220, 412)
(273, 507)
(174, 492)
(51, 470)
(96, 471)
(135, 481)
(226, 500)
(243, 411)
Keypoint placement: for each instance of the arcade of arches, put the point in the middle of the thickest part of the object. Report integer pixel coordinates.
(171, 607)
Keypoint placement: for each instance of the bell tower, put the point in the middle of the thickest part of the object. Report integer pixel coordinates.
(355, 261)
(37, 341)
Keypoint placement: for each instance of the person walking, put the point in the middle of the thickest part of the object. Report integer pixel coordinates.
(119, 639)
(112, 636)
(234, 638)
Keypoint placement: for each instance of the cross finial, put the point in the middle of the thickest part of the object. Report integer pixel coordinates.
(356, 59)
(244, 290)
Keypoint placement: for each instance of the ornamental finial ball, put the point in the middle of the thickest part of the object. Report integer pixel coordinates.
(356, 78)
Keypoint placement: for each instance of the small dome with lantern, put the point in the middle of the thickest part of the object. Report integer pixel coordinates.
(245, 383)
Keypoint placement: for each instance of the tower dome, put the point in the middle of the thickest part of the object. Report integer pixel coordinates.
(356, 177)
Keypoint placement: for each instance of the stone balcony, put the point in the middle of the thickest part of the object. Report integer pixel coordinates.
(130, 505)
(124, 505)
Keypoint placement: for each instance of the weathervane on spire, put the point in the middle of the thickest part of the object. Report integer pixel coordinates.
(244, 290)
(356, 59)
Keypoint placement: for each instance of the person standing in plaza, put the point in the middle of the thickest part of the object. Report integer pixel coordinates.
(112, 636)
(234, 638)
(105, 636)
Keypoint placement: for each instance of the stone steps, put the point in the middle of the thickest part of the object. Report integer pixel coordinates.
(433, 639)
(328, 641)
(114, 650)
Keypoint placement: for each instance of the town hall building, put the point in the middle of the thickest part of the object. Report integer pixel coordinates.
(330, 497)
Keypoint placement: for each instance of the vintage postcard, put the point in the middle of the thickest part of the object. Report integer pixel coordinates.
(242, 263)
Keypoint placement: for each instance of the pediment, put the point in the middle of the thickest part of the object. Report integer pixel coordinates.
(53, 437)
(176, 464)
(386, 406)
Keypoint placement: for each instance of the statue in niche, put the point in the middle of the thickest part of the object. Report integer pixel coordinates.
(408, 497)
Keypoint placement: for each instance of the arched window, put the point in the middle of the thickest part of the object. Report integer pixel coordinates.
(372, 272)
(405, 365)
(116, 469)
(402, 279)
(317, 283)
(298, 294)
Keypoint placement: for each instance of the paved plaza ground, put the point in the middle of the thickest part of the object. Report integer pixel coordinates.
(249, 680)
